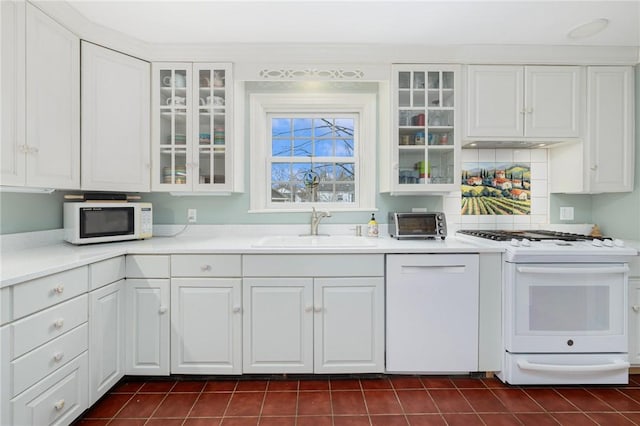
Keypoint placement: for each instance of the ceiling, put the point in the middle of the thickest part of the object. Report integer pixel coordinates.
(365, 21)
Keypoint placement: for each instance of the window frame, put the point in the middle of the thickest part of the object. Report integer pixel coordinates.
(264, 105)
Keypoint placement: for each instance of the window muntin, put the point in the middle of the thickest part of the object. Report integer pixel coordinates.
(313, 158)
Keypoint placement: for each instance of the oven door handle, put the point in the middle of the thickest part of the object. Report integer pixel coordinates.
(615, 365)
(588, 270)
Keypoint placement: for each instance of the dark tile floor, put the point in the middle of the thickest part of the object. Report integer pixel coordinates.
(380, 401)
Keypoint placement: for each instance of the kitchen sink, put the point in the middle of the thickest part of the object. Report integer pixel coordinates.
(314, 241)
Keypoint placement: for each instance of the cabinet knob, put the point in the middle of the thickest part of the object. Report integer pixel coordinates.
(59, 405)
(162, 310)
(236, 309)
(58, 323)
(317, 308)
(523, 111)
(635, 308)
(594, 167)
(206, 267)
(308, 308)
(57, 357)
(59, 289)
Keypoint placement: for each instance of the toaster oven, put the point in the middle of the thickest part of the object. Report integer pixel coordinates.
(405, 225)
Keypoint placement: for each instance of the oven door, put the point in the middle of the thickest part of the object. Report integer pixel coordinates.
(566, 308)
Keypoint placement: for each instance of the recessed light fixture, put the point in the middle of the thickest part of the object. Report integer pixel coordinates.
(588, 29)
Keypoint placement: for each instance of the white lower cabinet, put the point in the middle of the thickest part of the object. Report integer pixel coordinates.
(106, 338)
(317, 323)
(634, 320)
(278, 325)
(206, 326)
(56, 400)
(147, 330)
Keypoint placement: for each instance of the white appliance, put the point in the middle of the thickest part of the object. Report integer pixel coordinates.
(432, 313)
(99, 222)
(564, 307)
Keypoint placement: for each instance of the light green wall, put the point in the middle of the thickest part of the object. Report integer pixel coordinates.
(30, 212)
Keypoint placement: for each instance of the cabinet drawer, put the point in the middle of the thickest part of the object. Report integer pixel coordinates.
(35, 365)
(106, 272)
(147, 266)
(34, 330)
(313, 265)
(208, 265)
(58, 399)
(41, 293)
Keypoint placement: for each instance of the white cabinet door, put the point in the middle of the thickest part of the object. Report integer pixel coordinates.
(12, 143)
(553, 101)
(533, 102)
(432, 313)
(278, 325)
(495, 100)
(106, 338)
(634, 320)
(115, 121)
(349, 325)
(147, 330)
(206, 326)
(52, 103)
(610, 139)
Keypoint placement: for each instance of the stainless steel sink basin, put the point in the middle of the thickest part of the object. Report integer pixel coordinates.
(314, 241)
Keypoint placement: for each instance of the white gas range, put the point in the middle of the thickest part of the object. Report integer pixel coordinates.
(564, 306)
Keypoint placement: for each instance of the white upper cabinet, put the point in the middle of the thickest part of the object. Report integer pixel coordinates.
(604, 162)
(115, 121)
(52, 103)
(425, 145)
(40, 100)
(192, 125)
(12, 157)
(532, 101)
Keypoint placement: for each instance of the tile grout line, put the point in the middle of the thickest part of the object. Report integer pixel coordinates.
(161, 401)
(123, 405)
(194, 402)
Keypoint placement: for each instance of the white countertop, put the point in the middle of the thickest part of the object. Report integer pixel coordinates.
(26, 263)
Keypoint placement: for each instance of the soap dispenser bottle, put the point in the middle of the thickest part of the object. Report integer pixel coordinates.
(372, 227)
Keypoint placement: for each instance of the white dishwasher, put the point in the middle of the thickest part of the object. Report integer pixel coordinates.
(432, 313)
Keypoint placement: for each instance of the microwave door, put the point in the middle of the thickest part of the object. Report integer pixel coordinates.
(106, 222)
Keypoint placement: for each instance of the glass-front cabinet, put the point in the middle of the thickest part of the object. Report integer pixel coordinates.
(425, 140)
(192, 125)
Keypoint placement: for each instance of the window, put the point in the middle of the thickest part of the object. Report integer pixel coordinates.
(312, 150)
(313, 158)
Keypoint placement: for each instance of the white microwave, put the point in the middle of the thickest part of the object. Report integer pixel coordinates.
(100, 222)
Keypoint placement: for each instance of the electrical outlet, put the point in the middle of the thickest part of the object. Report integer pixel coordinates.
(419, 209)
(192, 215)
(566, 213)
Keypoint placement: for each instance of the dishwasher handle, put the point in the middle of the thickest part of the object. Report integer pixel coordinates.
(613, 366)
(587, 270)
(448, 269)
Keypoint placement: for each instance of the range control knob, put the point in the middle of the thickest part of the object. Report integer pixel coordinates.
(525, 243)
(607, 243)
(596, 243)
(570, 342)
(515, 242)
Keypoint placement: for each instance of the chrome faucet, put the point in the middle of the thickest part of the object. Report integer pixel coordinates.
(316, 217)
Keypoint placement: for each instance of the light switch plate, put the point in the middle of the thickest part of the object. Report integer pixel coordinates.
(192, 215)
(566, 213)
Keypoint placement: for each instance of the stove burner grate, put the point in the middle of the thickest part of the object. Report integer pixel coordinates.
(531, 235)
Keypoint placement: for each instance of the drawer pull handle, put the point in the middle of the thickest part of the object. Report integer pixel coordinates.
(162, 310)
(59, 405)
(57, 357)
(206, 268)
(59, 323)
(59, 289)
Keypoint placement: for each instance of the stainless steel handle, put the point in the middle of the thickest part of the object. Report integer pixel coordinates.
(581, 271)
(615, 365)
